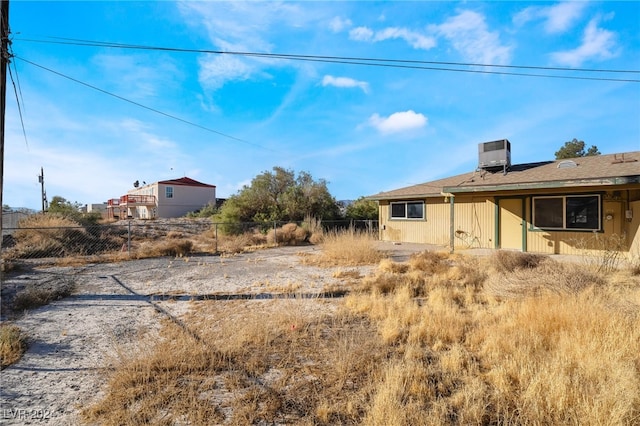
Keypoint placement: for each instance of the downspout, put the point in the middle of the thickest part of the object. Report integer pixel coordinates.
(451, 198)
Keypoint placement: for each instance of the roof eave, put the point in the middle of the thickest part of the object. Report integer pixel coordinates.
(609, 181)
(401, 197)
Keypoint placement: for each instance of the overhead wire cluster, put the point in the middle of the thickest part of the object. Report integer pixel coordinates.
(461, 67)
(475, 68)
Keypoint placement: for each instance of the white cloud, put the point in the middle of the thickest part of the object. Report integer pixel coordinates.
(137, 76)
(330, 80)
(557, 18)
(215, 71)
(398, 122)
(361, 34)
(338, 24)
(414, 39)
(244, 26)
(469, 34)
(597, 43)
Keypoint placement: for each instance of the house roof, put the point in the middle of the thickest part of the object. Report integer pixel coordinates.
(185, 181)
(599, 170)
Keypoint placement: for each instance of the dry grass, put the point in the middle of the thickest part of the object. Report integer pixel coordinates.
(440, 339)
(176, 246)
(12, 344)
(34, 297)
(246, 365)
(346, 248)
(46, 235)
(509, 261)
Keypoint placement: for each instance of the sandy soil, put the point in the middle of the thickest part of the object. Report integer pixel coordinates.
(72, 340)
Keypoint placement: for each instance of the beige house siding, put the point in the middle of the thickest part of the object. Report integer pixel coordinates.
(185, 199)
(615, 235)
(473, 220)
(476, 218)
(414, 230)
(633, 230)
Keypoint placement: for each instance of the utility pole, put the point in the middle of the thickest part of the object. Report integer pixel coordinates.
(42, 193)
(4, 60)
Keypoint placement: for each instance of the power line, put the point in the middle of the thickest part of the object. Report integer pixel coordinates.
(140, 105)
(379, 62)
(24, 132)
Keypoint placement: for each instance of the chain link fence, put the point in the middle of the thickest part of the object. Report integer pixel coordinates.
(139, 238)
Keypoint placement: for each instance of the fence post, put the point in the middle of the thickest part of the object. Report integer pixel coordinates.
(216, 235)
(275, 232)
(129, 238)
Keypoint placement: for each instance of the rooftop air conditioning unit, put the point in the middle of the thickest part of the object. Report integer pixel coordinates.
(494, 155)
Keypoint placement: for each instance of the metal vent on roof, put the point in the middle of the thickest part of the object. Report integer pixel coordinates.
(567, 164)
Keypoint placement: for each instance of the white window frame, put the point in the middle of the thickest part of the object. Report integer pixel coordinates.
(564, 226)
(406, 210)
(168, 191)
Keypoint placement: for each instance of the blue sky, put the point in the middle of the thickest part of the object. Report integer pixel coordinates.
(364, 129)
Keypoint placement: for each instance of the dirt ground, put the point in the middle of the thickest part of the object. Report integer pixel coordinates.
(71, 341)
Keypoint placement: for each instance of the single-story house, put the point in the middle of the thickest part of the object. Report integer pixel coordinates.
(556, 207)
(163, 199)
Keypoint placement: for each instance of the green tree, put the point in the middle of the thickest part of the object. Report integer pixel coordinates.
(60, 205)
(362, 209)
(575, 148)
(208, 210)
(280, 195)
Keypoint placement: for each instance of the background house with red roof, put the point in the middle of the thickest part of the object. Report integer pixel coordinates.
(162, 199)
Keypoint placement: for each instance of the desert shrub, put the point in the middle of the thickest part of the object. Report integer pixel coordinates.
(602, 253)
(166, 247)
(509, 261)
(209, 210)
(563, 278)
(314, 229)
(388, 265)
(174, 235)
(12, 344)
(429, 262)
(241, 242)
(34, 297)
(289, 234)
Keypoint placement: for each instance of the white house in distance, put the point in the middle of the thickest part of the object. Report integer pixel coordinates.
(163, 199)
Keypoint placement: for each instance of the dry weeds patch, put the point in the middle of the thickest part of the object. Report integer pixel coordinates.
(12, 344)
(439, 339)
(245, 363)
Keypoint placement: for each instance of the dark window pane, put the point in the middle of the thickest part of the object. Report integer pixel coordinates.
(583, 212)
(547, 212)
(414, 210)
(398, 210)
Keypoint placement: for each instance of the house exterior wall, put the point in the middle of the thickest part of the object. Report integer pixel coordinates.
(615, 234)
(185, 199)
(474, 223)
(479, 222)
(144, 212)
(633, 233)
(425, 230)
